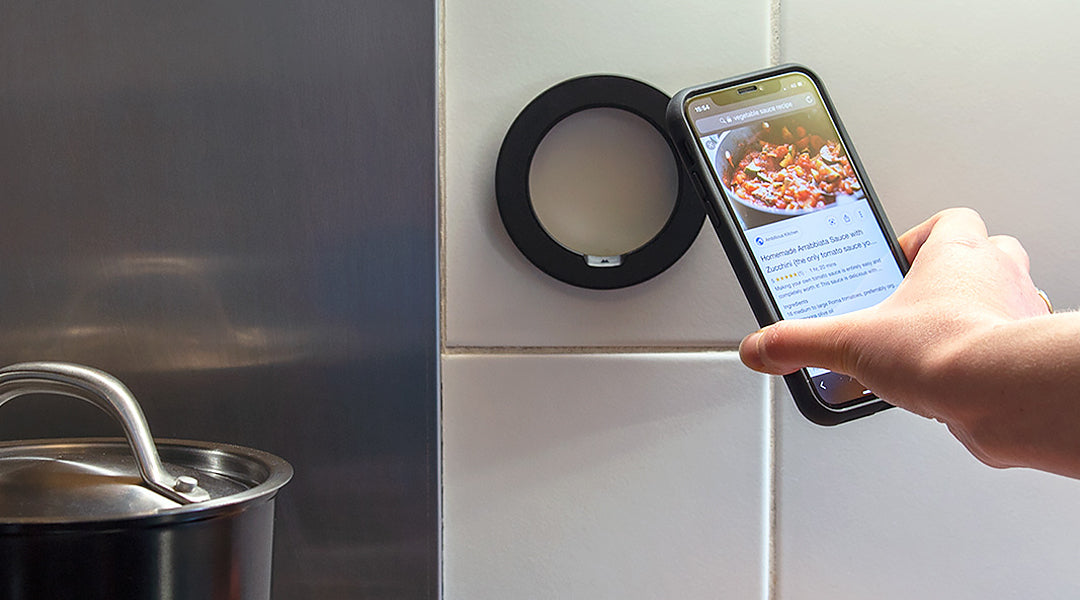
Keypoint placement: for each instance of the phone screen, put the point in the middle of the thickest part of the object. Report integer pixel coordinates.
(801, 205)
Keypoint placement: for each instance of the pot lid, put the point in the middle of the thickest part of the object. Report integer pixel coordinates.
(87, 480)
(96, 479)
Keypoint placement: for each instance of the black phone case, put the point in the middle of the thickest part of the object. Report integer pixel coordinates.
(739, 254)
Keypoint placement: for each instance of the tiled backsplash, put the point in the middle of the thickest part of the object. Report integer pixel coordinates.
(583, 458)
(605, 476)
(499, 56)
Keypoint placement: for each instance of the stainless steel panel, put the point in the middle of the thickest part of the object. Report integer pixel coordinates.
(231, 207)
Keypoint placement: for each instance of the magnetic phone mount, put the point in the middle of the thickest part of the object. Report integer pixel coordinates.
(515, 202)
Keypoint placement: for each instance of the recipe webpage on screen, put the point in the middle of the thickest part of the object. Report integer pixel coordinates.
(826, 262)
(801, 206)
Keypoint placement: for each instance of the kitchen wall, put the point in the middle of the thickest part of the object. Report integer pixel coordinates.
(608, 444)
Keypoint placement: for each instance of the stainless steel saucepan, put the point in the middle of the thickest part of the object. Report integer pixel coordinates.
(130, 518)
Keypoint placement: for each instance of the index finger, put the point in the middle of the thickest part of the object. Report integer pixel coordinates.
(954, 223)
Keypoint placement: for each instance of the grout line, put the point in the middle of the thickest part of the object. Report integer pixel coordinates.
(772, 480)
(772, 575)
(776, 54)
(457, 350)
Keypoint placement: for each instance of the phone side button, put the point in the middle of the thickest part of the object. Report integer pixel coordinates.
(698, 186)
(687, 155)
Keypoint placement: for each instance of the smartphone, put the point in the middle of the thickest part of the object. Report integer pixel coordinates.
(794, 210)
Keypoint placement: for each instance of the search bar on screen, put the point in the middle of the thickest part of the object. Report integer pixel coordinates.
(754, 112)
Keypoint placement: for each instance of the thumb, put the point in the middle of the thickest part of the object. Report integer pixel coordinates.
(787, 346)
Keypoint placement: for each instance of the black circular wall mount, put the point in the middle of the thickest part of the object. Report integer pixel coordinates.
(515, 202)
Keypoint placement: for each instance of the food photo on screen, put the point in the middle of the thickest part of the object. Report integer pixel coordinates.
(781, 168)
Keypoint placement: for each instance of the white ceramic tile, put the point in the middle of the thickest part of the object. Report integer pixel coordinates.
(960, 103)
(891, 507)
(949, 104)
(498, 57)
(604, 476)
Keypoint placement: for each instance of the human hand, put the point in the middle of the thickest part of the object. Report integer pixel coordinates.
(964, 339)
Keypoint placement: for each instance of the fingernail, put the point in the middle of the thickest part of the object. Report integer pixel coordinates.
(748, 351)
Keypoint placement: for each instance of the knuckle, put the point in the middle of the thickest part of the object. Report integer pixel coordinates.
(961, 212)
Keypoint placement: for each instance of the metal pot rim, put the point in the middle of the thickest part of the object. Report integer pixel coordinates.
(262, 474)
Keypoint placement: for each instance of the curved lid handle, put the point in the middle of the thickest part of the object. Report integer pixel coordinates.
(107, 393)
